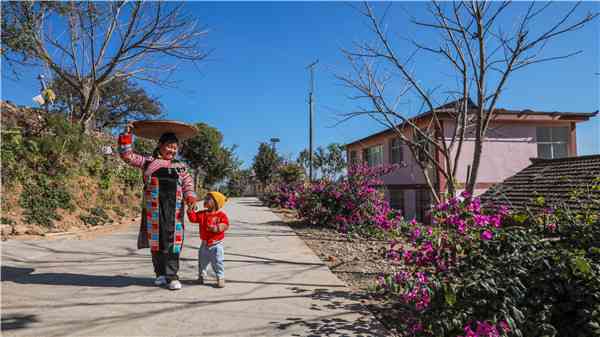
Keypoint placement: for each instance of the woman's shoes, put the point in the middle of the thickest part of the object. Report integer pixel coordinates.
(160, 281)
(175, 285)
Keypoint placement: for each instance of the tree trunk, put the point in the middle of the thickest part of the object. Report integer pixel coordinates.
(478, 148)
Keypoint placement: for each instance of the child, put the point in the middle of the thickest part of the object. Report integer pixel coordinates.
(212, 224)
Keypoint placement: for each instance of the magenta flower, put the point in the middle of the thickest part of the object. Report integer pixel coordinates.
(551, 227)
(486, 235)
(481, 220)
(416, 233)
(416, 327)
(422, 277)
(465, 194)
(504, 326)
(407, 256)
(462, 226)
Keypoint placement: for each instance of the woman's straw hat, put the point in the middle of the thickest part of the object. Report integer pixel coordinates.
(153, 129)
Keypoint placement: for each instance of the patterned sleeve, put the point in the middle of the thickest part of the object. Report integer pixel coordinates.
(127, 154)
(187, 183)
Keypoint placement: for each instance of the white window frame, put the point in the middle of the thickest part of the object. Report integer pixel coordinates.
(396, 145)
(553, 142)
(370, 155)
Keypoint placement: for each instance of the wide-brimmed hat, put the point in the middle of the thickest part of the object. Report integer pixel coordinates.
(153, 129)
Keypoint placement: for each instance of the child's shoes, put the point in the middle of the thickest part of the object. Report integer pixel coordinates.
(160, 281)
(220, 282)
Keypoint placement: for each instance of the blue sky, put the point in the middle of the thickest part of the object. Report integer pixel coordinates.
(254, 86)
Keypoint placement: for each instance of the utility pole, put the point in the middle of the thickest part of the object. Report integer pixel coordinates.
(310, 118)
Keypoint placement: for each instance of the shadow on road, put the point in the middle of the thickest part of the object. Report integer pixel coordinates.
(335, 324)
(14, 322)
(26, 276)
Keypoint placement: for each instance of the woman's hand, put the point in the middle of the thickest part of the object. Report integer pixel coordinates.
(190, 201)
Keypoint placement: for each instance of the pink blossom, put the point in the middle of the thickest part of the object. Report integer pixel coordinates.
(481, 220)
(416, 327)
(462, 226)
(416, 233)
(551, 227)
(495, 221)
(465, 194)
(407, 256)
(487, 235)
(422, 277)
(504, 326)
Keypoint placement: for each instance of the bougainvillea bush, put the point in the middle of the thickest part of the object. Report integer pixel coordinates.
(283, 195)
(352, 204)
(477, 272)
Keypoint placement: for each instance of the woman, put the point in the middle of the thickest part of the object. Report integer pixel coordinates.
(166, 183)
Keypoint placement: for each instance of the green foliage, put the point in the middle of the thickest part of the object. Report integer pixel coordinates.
(12, 153)
(120, 100)
(329, 161)
(43, 163)
(537, 274)
(119, 211)
(41, 198)
(206, 151)
(144, 146)
(96, 217)
(6, 221)
(290, 173)
(106, 178)
(237, 183)
(129, 176)
(265, 163)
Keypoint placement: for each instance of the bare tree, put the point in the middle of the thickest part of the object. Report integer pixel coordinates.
(89, 44)
(482, 54)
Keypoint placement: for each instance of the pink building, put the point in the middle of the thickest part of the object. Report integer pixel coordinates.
(513, 137)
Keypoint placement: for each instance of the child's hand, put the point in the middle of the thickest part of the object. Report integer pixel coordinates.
(213, 228)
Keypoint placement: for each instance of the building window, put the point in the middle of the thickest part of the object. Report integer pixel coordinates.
(423, 205)
(397, 199)
(396, 155)
(353, 157)
(373, 155)
(552, 142)
(424, 147)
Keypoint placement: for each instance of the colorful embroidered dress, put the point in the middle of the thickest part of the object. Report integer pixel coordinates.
(166, 184)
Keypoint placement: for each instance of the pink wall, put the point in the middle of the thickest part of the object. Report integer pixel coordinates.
(506, 151)
(410, 173)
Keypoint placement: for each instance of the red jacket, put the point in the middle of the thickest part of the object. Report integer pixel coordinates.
(207, 218)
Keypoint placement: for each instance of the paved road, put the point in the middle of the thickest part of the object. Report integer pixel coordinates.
(276, 286)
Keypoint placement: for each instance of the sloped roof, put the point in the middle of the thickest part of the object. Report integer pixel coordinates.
(451, 106)
(552, 179)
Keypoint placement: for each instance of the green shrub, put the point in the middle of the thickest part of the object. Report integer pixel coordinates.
(118, 211)
(40, 199)
(6, 221)
(96, 217)
(129, 176)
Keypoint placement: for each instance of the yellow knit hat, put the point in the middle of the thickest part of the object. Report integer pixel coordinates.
(219, 198)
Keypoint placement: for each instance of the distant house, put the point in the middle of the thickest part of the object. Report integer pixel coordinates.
(513, 137)
(554, 181)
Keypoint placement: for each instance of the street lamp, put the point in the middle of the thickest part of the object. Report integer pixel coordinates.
(273, 142)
